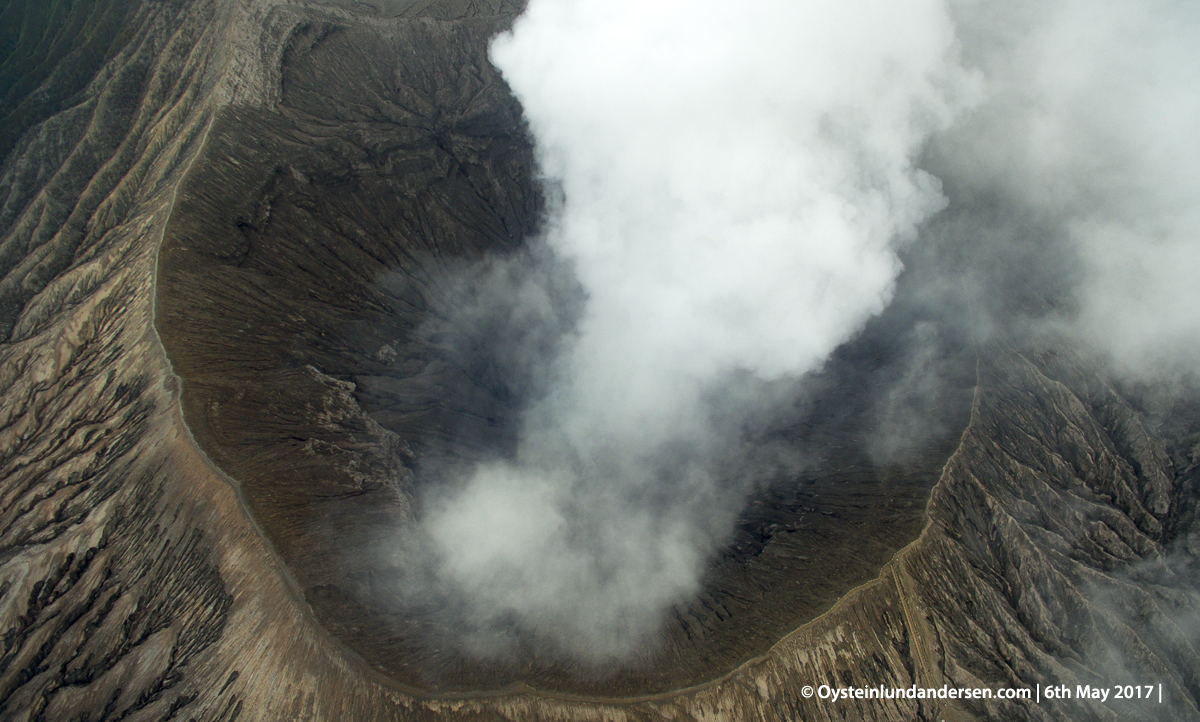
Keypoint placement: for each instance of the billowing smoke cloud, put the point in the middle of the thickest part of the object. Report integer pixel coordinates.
(735, 186)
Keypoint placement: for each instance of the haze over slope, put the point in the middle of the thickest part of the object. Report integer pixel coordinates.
(1088, 140)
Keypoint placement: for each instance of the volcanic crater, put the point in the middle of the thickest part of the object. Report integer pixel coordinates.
(307, 282)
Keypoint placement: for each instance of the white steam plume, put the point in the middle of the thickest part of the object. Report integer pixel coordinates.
(735, 184)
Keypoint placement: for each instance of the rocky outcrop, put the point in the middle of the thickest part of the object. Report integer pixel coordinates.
(142, 579)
